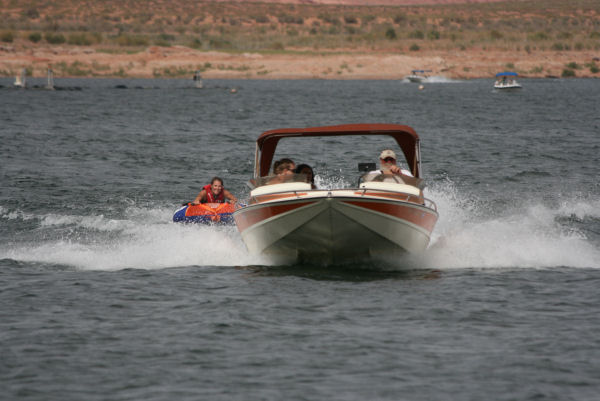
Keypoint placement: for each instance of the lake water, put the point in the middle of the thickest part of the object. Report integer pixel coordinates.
(103, 297)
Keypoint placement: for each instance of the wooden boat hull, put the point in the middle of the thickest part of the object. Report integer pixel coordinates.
(335, 228)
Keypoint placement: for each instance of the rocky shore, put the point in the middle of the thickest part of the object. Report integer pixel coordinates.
(181, 62)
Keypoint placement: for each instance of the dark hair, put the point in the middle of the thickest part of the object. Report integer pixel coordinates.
(280, 162)
(281, 167)
(302, 167)
(212, 181)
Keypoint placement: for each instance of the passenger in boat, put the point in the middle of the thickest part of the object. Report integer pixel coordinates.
(308, 171)
(283, 165)
(214, 193)
(387, 162)
(283, 170)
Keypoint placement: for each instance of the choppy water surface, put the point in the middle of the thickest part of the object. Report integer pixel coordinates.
(103, 297)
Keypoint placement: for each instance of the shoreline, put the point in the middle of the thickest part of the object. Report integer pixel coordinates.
(181, 62)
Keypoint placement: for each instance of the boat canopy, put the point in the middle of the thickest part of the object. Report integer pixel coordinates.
(415, 71)
(507, 74)
(405, 136)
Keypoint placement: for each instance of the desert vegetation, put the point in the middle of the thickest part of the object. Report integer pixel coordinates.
(236, 27)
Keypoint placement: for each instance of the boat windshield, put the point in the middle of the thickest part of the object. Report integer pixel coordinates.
(277, 179)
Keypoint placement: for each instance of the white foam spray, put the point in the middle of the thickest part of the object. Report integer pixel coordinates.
(148, 240)
(468, 236)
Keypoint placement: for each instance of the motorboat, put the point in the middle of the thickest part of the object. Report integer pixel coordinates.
(21, 80)
(205, 213)
(418, 76)
(50, 79)
(385, 216)
(198, 80)
(506, 80)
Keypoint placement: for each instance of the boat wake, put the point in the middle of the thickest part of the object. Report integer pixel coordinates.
(435, 79)
(467, 236)
(534, 235)
(146, 240)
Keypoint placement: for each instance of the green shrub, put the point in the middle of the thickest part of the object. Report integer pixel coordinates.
(398, 19)
(54, 38)
(261, 19)
(329, 19)
(32, 13)
(594, 69)
(416, 35)
(538, 36)
(573, 66)
(496, 35)
(568, 73)
(564, 35)
(35, 37)
(276, 46)
(131, 40)
(390, 34)
(414, 47)
(433, 35)
(218, 43)
(166, 37)
(79, 39)
(290, 19)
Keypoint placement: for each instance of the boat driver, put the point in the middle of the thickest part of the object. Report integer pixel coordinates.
(387, 163)
(214, 193)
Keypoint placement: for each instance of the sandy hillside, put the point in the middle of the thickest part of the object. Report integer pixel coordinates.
(470, 43)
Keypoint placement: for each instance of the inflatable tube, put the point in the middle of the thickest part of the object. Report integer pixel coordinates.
(205, 213)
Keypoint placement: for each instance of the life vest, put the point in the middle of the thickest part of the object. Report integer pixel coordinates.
(211, 198)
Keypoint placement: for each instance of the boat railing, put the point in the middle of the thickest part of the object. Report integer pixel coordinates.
(430, 204)
(426, 201)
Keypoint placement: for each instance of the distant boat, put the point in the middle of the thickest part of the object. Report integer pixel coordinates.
(506, 80)
(418, 76)
(198, 80)
(50, 84)
(21, 80)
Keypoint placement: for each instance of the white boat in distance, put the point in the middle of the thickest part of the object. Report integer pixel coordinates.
(418, 76)
(291, 222)
(21, 80)
(506, 80)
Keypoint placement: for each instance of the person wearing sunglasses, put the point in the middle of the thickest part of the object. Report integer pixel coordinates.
(283, 169)
(389, 170)
(387, 162)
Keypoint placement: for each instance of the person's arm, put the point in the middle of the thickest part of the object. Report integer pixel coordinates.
(229, 196)
(199, 198)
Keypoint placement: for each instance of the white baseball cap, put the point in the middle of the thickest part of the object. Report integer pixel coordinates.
(387, 153)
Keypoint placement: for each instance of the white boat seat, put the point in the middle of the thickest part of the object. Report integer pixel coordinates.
(283, 187)
(391, 186)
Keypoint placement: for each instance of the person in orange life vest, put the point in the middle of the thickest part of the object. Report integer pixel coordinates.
(214, 193)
